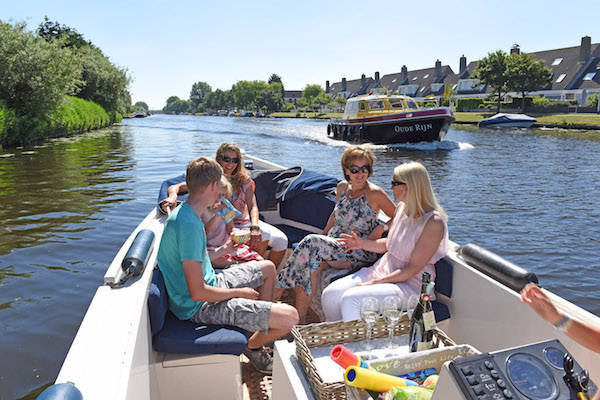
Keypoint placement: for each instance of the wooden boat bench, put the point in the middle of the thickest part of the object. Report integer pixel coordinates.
(209, 353)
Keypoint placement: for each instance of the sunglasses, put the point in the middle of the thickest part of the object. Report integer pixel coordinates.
(397, 183)
(355, 169)
(227, 159)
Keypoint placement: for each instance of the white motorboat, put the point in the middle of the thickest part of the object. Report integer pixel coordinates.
(501, 120)
(114, 354)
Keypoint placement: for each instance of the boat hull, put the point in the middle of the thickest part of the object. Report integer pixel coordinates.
(403, 128)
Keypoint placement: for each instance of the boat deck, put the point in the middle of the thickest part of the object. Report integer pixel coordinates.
(255, 385)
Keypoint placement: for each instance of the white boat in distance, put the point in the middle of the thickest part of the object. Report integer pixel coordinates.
(501, 120)
(113, 355)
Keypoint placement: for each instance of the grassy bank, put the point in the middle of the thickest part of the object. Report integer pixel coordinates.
(284, 114)
(562, 120)
(74, 115)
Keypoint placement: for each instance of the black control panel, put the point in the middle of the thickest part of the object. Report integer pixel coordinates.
(533, 372)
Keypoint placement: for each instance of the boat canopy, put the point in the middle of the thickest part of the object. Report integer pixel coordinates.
(376, 104)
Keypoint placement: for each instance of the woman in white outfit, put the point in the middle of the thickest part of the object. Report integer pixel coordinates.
(418, 238)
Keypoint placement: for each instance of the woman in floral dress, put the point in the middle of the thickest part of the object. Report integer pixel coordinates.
(319, 258)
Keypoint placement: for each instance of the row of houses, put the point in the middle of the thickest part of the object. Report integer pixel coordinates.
(575, 76)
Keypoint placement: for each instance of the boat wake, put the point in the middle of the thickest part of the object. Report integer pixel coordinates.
(445, 145)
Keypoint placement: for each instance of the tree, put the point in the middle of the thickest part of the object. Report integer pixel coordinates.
(270, 98)
(322, 99)
(245, 93)
(526, 74)
(309, 94)
(178, 106)
(52, 30)
(491, 70)
(140, 105)
(276, 78)
(34, 74)
(199, 92)
(172, 99)
(340, 101)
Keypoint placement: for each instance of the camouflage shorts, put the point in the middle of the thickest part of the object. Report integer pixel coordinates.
(251, 315)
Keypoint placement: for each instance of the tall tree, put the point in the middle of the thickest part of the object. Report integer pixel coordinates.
(140, 105)
(526, 74)
(51, 30)
(276, 78)
(491, 70)
(309, 94)
(199, 92)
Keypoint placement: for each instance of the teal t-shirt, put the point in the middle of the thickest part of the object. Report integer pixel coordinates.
(183, 239)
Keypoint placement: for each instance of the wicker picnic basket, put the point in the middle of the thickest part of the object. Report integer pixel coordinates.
(332, 333)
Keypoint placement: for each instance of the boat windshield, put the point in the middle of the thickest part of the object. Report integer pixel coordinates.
(376, 105)
(396, 104)
(411, 104)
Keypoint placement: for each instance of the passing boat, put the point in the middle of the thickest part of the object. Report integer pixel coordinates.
(502, 120)
(129, 346)
(380, 118)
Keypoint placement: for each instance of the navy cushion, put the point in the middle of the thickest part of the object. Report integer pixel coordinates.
(309, 208)
(158, 302)
(443, 277)
(186, 337)
(171, 335)
(294, 235)
(440, 310)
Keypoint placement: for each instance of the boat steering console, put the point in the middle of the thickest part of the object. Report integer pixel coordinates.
(540, 371)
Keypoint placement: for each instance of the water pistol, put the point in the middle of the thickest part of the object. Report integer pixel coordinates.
(345, 358)
(372, 380)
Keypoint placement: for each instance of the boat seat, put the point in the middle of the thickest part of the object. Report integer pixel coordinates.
(443, 285)
(171, 335)
(294, 235)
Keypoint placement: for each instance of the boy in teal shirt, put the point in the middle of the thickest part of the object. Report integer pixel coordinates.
(229, 298)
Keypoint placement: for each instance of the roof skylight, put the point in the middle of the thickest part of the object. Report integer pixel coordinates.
(415, 78)
(426, 76)
(394, 80)
(560, 78)
(589, 76)
(556, 61)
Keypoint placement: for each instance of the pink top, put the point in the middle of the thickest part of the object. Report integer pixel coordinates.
(218, 233)
(241, 204)
(402, 238)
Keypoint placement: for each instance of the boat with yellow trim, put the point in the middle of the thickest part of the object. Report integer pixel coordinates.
(381, 118)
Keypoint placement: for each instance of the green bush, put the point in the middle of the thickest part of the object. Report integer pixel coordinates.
(592, 101)
(73, 115)
(540, 102)
(468, 103)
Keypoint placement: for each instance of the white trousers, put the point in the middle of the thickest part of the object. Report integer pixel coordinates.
(277, 239)
(341, 299)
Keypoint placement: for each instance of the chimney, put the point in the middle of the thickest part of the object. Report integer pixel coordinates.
(376, 78)
(404, 75)
(585, 50)
(462, 65)
(363, 79)
(326, 86)
(438, 69)
(344, 84)
(515, 49)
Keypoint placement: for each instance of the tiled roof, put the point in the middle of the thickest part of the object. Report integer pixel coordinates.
(420, 81)
(292, 94)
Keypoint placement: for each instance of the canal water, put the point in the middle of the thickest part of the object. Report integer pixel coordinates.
(68, 205)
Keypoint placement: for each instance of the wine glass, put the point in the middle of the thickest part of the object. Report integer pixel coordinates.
(369, 313)
(392, 310)
(411, 304)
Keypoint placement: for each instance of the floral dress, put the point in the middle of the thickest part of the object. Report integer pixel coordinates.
(350, 215)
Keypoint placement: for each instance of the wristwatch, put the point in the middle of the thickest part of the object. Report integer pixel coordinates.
(564, 324)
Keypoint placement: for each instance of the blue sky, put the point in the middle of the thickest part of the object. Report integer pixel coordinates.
(167, 46)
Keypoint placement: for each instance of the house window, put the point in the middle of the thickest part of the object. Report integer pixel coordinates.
(589, 76)
(556, 61)
(560, 78)
(570, 96)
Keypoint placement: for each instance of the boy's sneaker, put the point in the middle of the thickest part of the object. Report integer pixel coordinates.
(260, 359)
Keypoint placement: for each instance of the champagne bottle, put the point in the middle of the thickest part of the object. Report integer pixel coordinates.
(423, 320)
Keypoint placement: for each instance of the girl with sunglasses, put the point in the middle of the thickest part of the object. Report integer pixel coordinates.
(262, 235)
(319, 258)
(418, 238)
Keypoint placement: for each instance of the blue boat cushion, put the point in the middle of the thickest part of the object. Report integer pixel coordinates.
(443, 277)
(440, 310)
(164, 188)
(171, 335)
